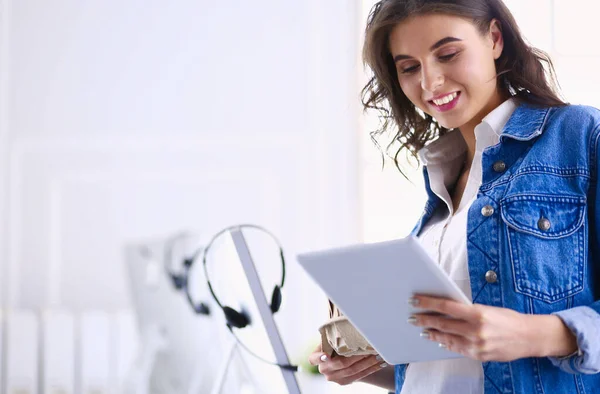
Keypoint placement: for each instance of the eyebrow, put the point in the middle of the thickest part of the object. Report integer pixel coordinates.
(435, 46)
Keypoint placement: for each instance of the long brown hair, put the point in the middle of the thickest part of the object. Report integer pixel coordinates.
(520, 68)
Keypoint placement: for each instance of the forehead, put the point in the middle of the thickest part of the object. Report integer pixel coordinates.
(418, 33)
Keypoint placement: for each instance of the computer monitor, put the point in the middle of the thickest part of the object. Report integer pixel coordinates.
(183, 352)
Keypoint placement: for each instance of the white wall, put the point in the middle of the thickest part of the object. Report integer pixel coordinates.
(4, 152)
(127, 121)
(123, 120)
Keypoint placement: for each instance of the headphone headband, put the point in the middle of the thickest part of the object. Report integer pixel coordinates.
(218, 235)
(233, 317)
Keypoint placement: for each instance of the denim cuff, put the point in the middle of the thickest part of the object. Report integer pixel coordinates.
(584, 322)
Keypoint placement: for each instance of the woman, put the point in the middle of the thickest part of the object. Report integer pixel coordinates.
(511, 173)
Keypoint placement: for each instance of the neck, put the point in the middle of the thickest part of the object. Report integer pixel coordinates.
(468, 129)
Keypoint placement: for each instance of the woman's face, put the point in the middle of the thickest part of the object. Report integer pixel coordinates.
(445, 58)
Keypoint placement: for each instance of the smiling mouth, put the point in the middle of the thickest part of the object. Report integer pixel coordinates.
(445, 106)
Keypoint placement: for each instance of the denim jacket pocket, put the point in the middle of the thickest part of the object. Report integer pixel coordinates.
(546, 240)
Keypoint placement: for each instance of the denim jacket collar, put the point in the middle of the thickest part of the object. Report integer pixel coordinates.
(526, 123)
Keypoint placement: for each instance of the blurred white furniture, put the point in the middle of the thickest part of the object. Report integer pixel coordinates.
(62, 352)
(22, 353)
(95, 353)
(58, 354)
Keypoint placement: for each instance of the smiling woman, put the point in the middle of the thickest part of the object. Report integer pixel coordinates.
(510, 172)
(470, 48)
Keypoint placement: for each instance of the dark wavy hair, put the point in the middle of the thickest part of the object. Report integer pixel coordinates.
(520, 69)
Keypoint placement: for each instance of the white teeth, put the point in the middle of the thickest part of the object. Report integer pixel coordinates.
(446, 99)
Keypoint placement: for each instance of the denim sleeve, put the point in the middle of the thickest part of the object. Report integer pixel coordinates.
(399, 374)
(584, 322)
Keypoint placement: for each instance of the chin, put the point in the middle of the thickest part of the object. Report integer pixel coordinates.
(446, 123)
(449, 124)
(454, 122)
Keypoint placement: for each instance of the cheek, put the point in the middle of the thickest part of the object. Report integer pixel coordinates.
(412, 89)
(461, 74)
(474, 72)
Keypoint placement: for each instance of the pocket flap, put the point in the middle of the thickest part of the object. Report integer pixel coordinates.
(544, 216)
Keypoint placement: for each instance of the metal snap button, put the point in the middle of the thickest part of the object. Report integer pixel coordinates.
(491, 277)
(487, 211)
(544, 224)
(499, 166)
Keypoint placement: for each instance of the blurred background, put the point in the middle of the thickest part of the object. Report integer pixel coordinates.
(123, 123)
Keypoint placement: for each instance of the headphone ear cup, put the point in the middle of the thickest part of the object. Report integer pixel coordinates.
(202, 309)
(235, 318)
(178, 281)
(276, 299)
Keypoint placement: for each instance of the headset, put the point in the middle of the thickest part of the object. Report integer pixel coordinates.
(233, 317)
(180, 281)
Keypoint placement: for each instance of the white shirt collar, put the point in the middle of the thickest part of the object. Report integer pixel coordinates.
(498, 118)
(487, 133)
(445, 156)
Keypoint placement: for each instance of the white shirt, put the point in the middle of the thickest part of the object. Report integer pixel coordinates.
(444, 237)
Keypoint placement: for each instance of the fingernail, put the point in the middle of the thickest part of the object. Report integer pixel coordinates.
(425, 334)
(442, 345)
(413, 301)
(412, 320)
(324, 357)
(383, 365)
(379, 358)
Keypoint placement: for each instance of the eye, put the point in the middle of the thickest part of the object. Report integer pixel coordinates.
(445, 58)
(448, 57)
(409, 70)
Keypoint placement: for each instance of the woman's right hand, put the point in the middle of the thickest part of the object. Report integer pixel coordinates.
(346, 370)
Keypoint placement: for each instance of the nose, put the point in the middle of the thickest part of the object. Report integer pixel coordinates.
(431, 78)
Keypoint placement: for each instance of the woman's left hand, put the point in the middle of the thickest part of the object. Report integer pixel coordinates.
(487, 333)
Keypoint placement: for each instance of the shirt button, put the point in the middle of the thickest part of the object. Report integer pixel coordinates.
(544, 224)
(499, 166)
(491, 277)
(487, 211)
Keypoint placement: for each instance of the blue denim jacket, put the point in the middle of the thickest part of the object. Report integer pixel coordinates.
(535, 224)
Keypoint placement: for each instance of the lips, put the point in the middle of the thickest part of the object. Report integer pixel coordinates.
(448, 106)
(440, 96)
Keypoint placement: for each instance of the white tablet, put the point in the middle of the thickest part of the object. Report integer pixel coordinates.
(372, 283)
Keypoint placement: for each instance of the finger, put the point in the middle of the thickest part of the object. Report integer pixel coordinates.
(340, 362)
(444, 306)
(454, 343)
(443, 324)
(356, 368)
(316, 358)
(364, 373)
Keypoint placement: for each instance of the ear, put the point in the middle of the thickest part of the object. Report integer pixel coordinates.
(495, 35)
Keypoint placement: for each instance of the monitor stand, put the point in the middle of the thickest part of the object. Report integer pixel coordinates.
(265, 311)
